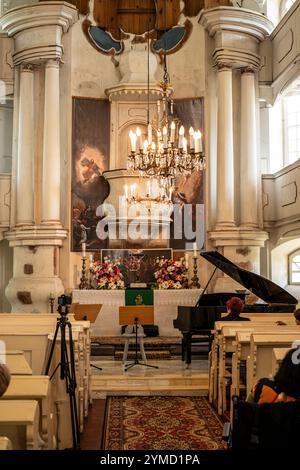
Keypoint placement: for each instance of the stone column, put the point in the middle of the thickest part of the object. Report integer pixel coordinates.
(25, 165)
(248, 170)
(51, 149)
(225, 165)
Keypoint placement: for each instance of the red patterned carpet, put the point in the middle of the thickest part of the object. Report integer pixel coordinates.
(161, 423)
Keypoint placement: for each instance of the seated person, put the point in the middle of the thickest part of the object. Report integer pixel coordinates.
(4, 378)
(297, 316)
(286, 384)
(234, 307)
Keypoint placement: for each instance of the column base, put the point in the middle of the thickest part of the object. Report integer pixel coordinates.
(31, 294)
(242, 247)
(35, 268)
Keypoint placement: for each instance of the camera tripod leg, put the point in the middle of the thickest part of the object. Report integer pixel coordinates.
(52, 350)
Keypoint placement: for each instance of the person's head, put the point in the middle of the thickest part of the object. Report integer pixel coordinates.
(297, 316)
(234, 305)
(288, 375)
(4, 379)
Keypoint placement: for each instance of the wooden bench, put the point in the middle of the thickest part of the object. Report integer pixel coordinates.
(5, 443)
(32, 340)
(259, 363)
(17, 364)
(47, 323)
(277, 357)
(36, 388)
(224, 344)
(19, 422)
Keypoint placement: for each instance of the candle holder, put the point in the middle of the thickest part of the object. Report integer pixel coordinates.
(84, 283)
(51, 302)
(195, 279)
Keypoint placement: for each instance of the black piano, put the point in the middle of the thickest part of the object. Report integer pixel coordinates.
(200, 320)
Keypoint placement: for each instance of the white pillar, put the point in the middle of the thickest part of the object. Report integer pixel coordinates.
(225, 164)
(25, 165)
(248, 170)
(51, 149)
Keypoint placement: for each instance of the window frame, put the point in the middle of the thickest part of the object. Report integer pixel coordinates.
(286, 155)
(290, 266)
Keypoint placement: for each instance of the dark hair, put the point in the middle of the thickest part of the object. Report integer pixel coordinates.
(297, 314)
(235, 304)
(288, 376)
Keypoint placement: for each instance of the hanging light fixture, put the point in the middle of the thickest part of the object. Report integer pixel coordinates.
(165, 153)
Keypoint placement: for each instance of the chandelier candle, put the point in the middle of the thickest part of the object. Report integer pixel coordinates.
(165, 153)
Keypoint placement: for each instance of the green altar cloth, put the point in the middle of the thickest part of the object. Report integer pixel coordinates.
(139, 297)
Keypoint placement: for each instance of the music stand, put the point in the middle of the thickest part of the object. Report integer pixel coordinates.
(135, 315)
(86, 312)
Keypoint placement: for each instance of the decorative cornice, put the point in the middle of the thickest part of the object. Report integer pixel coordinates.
(238, 236)
(36, 235)
(239, 20)
(39, 14)
(130, 91)
(237, 33)
(37, 30)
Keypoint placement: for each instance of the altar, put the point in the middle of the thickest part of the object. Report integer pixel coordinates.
(165, 308)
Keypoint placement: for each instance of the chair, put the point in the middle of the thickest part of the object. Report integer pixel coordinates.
(266, 426)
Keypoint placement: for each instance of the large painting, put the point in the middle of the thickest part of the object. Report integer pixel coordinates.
(90, 158)
(189, 190)
(137, 265)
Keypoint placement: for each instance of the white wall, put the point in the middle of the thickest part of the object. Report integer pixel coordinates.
(276, 137)
(6, 125)
(279, 265)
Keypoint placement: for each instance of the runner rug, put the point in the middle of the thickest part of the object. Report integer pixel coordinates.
(161, 423)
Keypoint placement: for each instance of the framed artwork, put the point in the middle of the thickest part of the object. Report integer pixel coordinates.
(189, 190)
(131, 260)
(90, 158)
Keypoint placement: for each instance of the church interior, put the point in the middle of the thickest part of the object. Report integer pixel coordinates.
(149, 224)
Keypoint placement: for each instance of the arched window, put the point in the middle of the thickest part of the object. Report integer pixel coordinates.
(285, 6)
(294, 267)
(291, 128)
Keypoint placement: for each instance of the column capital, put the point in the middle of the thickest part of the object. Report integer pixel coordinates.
(248, 70)
(237, 33)
(223, 66)
(27, 67)
(37, 30)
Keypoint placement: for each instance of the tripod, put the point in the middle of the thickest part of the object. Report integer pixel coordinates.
(67, 368)
(136, 361)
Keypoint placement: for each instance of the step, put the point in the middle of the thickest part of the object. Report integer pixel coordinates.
(156, 355)
(122, 383)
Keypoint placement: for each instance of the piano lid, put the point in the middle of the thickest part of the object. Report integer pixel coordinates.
(259, 285)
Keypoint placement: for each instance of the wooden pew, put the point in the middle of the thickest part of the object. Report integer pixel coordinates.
(5, 444)
(47, 322)
(225, 343)
(33, 341)
(36, 388)
(259, 363)
(277, 357)
(17, 364)
(19, 421)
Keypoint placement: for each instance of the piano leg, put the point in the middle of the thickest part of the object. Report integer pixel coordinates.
(188, 349)
(183, 346)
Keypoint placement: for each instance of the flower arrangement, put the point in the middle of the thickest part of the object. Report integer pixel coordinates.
(171, 275)
(108, 274)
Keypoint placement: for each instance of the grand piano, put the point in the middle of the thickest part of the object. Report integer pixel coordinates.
(200, 320)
